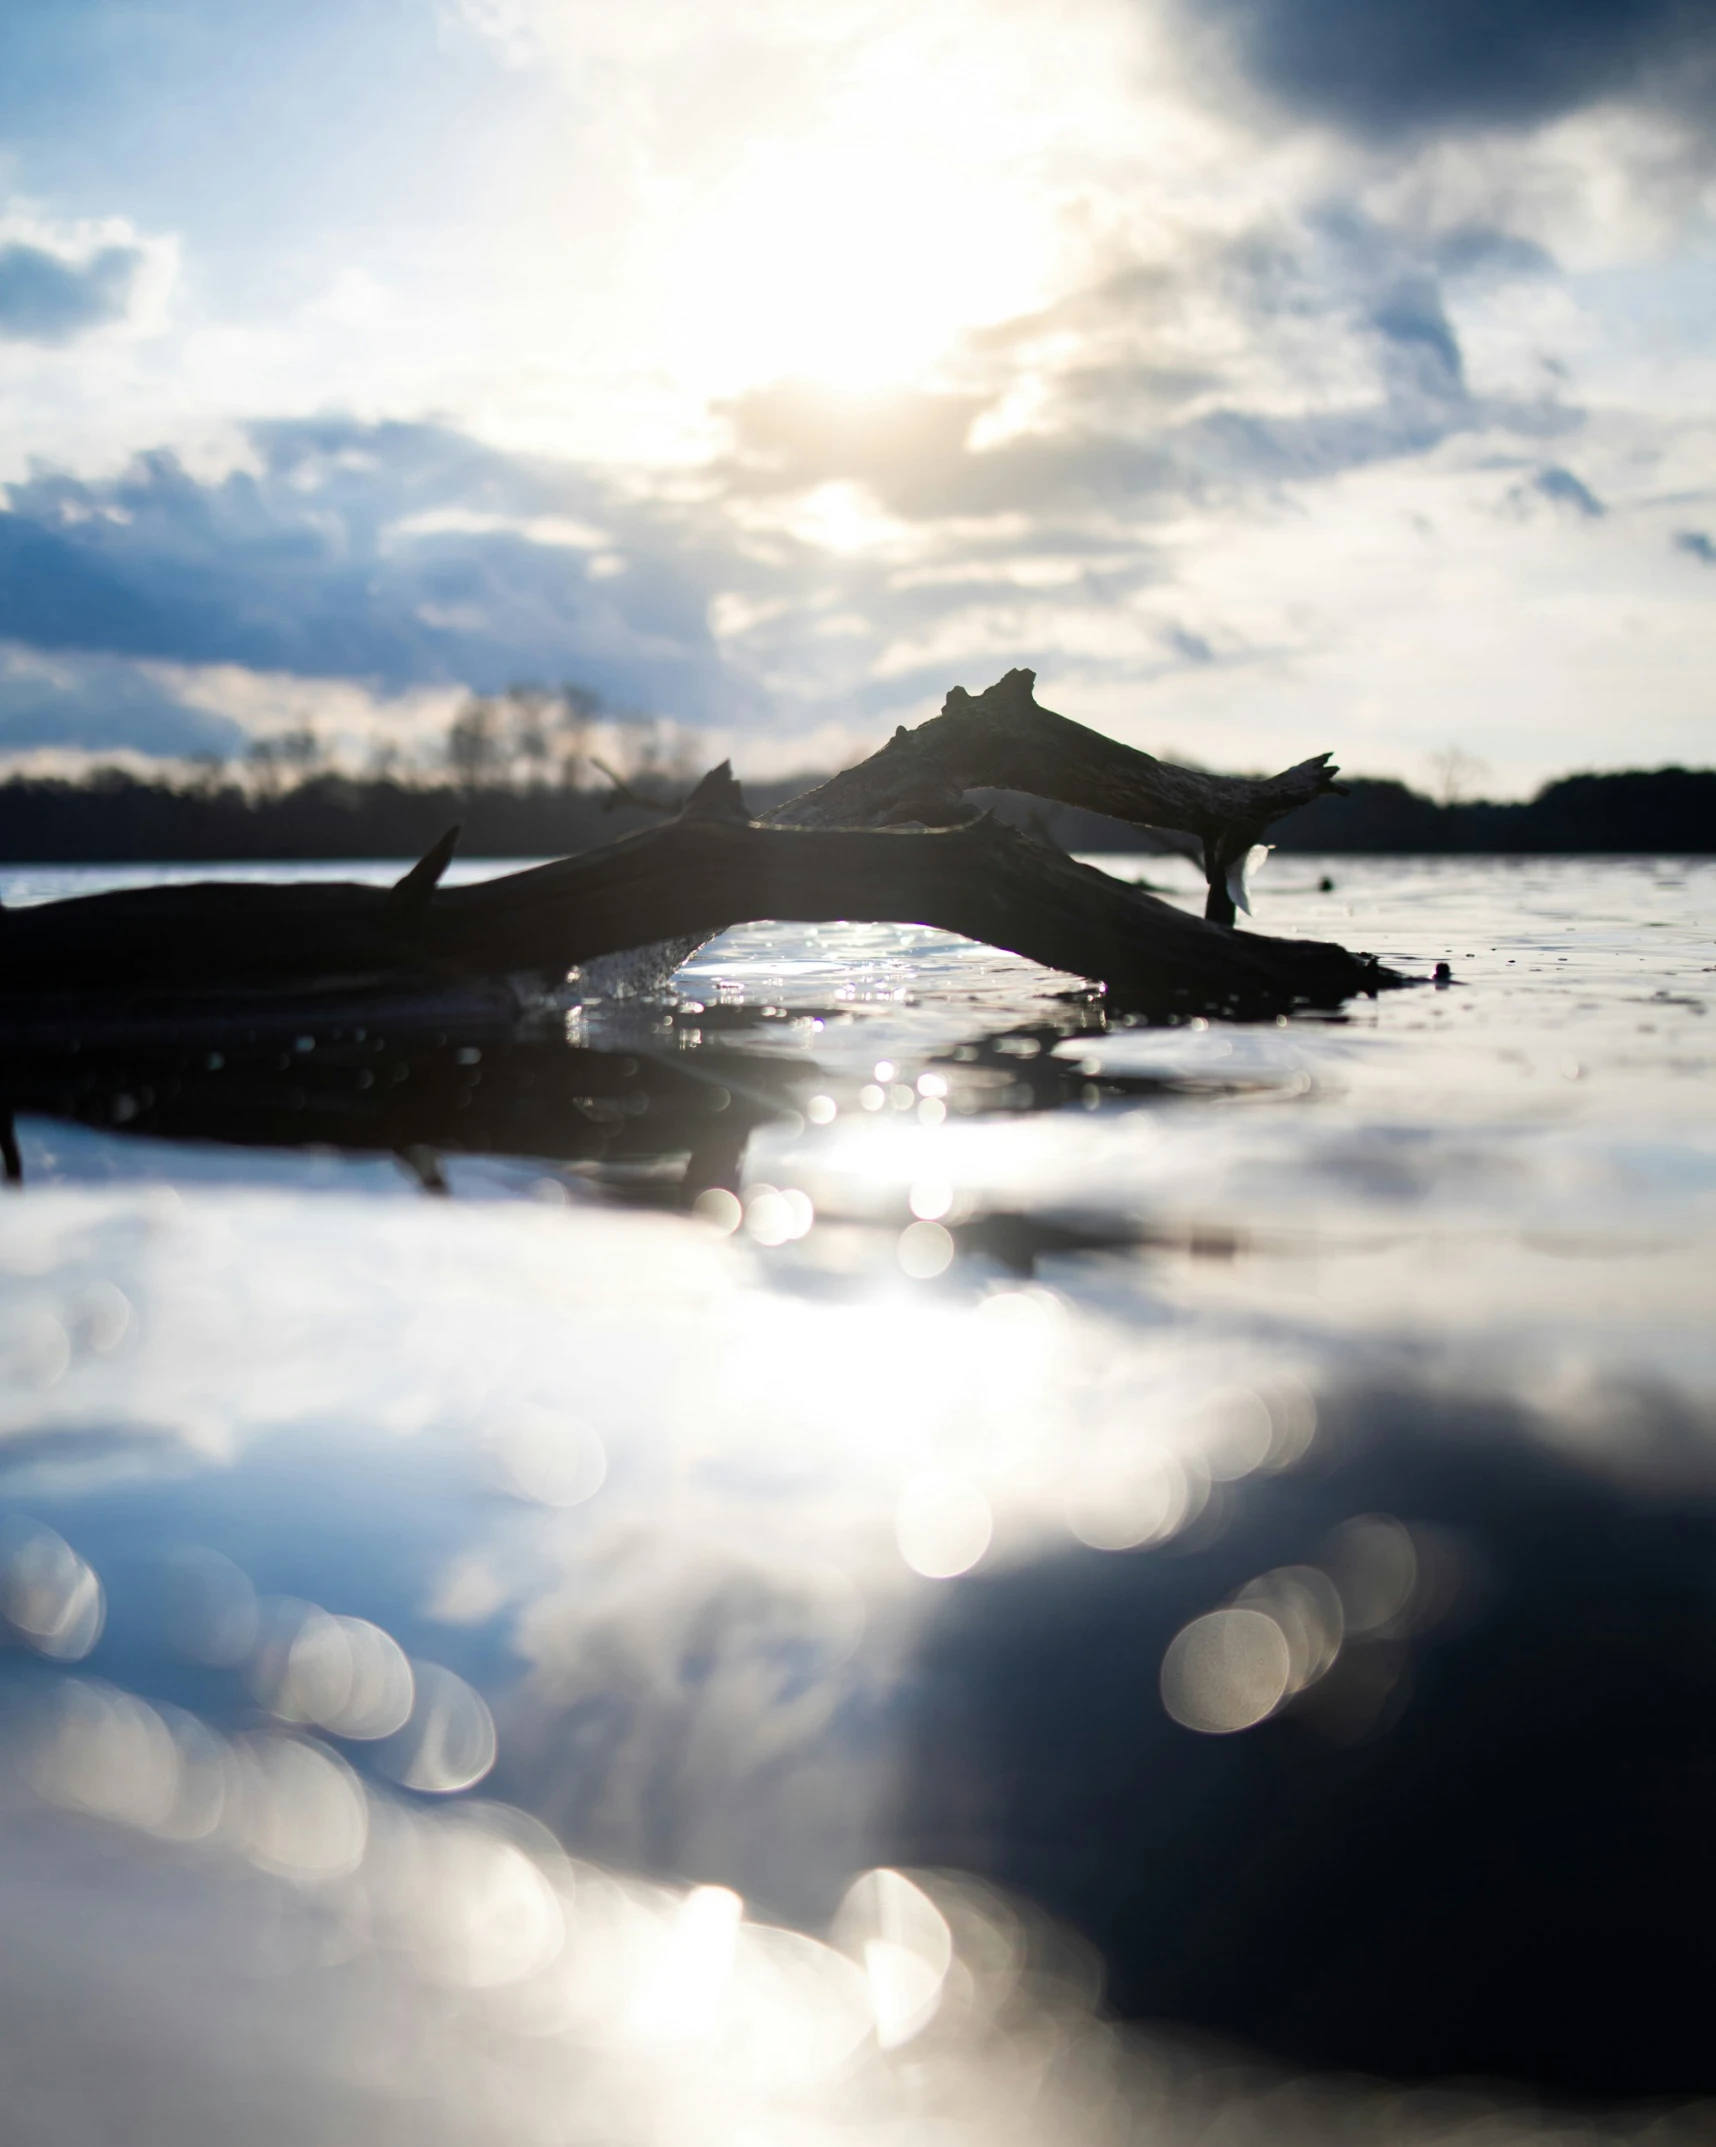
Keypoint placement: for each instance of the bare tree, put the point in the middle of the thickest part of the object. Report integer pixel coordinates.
(265, 766)
(473, 744)
(525, 735)
(302, 751)
(1456, 774)
(578, 709)
(528, 729)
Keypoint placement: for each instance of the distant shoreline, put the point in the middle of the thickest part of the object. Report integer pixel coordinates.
(115, 818)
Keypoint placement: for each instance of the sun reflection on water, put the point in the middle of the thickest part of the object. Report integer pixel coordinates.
(697, 1509)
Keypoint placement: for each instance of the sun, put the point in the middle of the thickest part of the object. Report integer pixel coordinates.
(857, 254)
(856, 272)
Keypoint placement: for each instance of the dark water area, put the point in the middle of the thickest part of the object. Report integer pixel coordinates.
(869, 1552)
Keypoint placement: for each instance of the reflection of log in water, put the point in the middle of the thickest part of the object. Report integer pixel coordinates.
(888, 841)
(658, 1122)
(420, 1094)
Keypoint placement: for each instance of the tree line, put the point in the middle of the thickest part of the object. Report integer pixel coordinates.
(541, 771)
(528, 738)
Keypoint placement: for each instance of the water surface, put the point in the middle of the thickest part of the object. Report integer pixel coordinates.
(1226, 1511)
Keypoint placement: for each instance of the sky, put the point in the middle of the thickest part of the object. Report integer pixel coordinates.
(1271, 376)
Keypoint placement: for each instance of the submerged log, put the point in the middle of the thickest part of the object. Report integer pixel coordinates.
(888, 841)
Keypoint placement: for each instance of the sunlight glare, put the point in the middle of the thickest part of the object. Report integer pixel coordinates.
(682, 1999)
(856, 256)
(904, 1942)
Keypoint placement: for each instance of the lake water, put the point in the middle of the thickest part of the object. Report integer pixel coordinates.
(897, 1561)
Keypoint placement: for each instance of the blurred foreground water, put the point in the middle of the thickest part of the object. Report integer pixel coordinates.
(897, 1562)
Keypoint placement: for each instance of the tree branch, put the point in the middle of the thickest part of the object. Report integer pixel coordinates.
(1002, 740)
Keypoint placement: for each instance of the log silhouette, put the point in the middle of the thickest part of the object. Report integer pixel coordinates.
(1002, 740)
(890, 840)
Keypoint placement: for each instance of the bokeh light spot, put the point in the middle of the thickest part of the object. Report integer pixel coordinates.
(1226, 1671)
(903, 1940)
(449, 1742)
(1128, 1500)
(925, 1250)
(1238, 1433)
(943, 1525)
(48, 1595)
(719, 1209)
(1373, 1562)
(552, 1457)
(210, 1607)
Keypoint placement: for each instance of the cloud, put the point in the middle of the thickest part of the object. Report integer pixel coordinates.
(102, 705)
(1192, 647)
(798, 434)
(45, 298)
(1411, 320)
(402, 555)
(1481, 250)
(1289, 354)
(1696, 544)
(1381, 69)
(846, 556)
(1563, 489)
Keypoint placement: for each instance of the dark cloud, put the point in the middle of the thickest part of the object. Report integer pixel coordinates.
(1696, 544)
(1411, 320)
(45, 299)
(1563, 489)
(1121, 433)
(1383, 68)
(1480, 250)
(1075, 468)
(399, 555)
(1189, 647)
(102, 705)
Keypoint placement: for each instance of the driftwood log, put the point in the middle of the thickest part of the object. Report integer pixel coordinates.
(890, 840)
(1002, 740)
